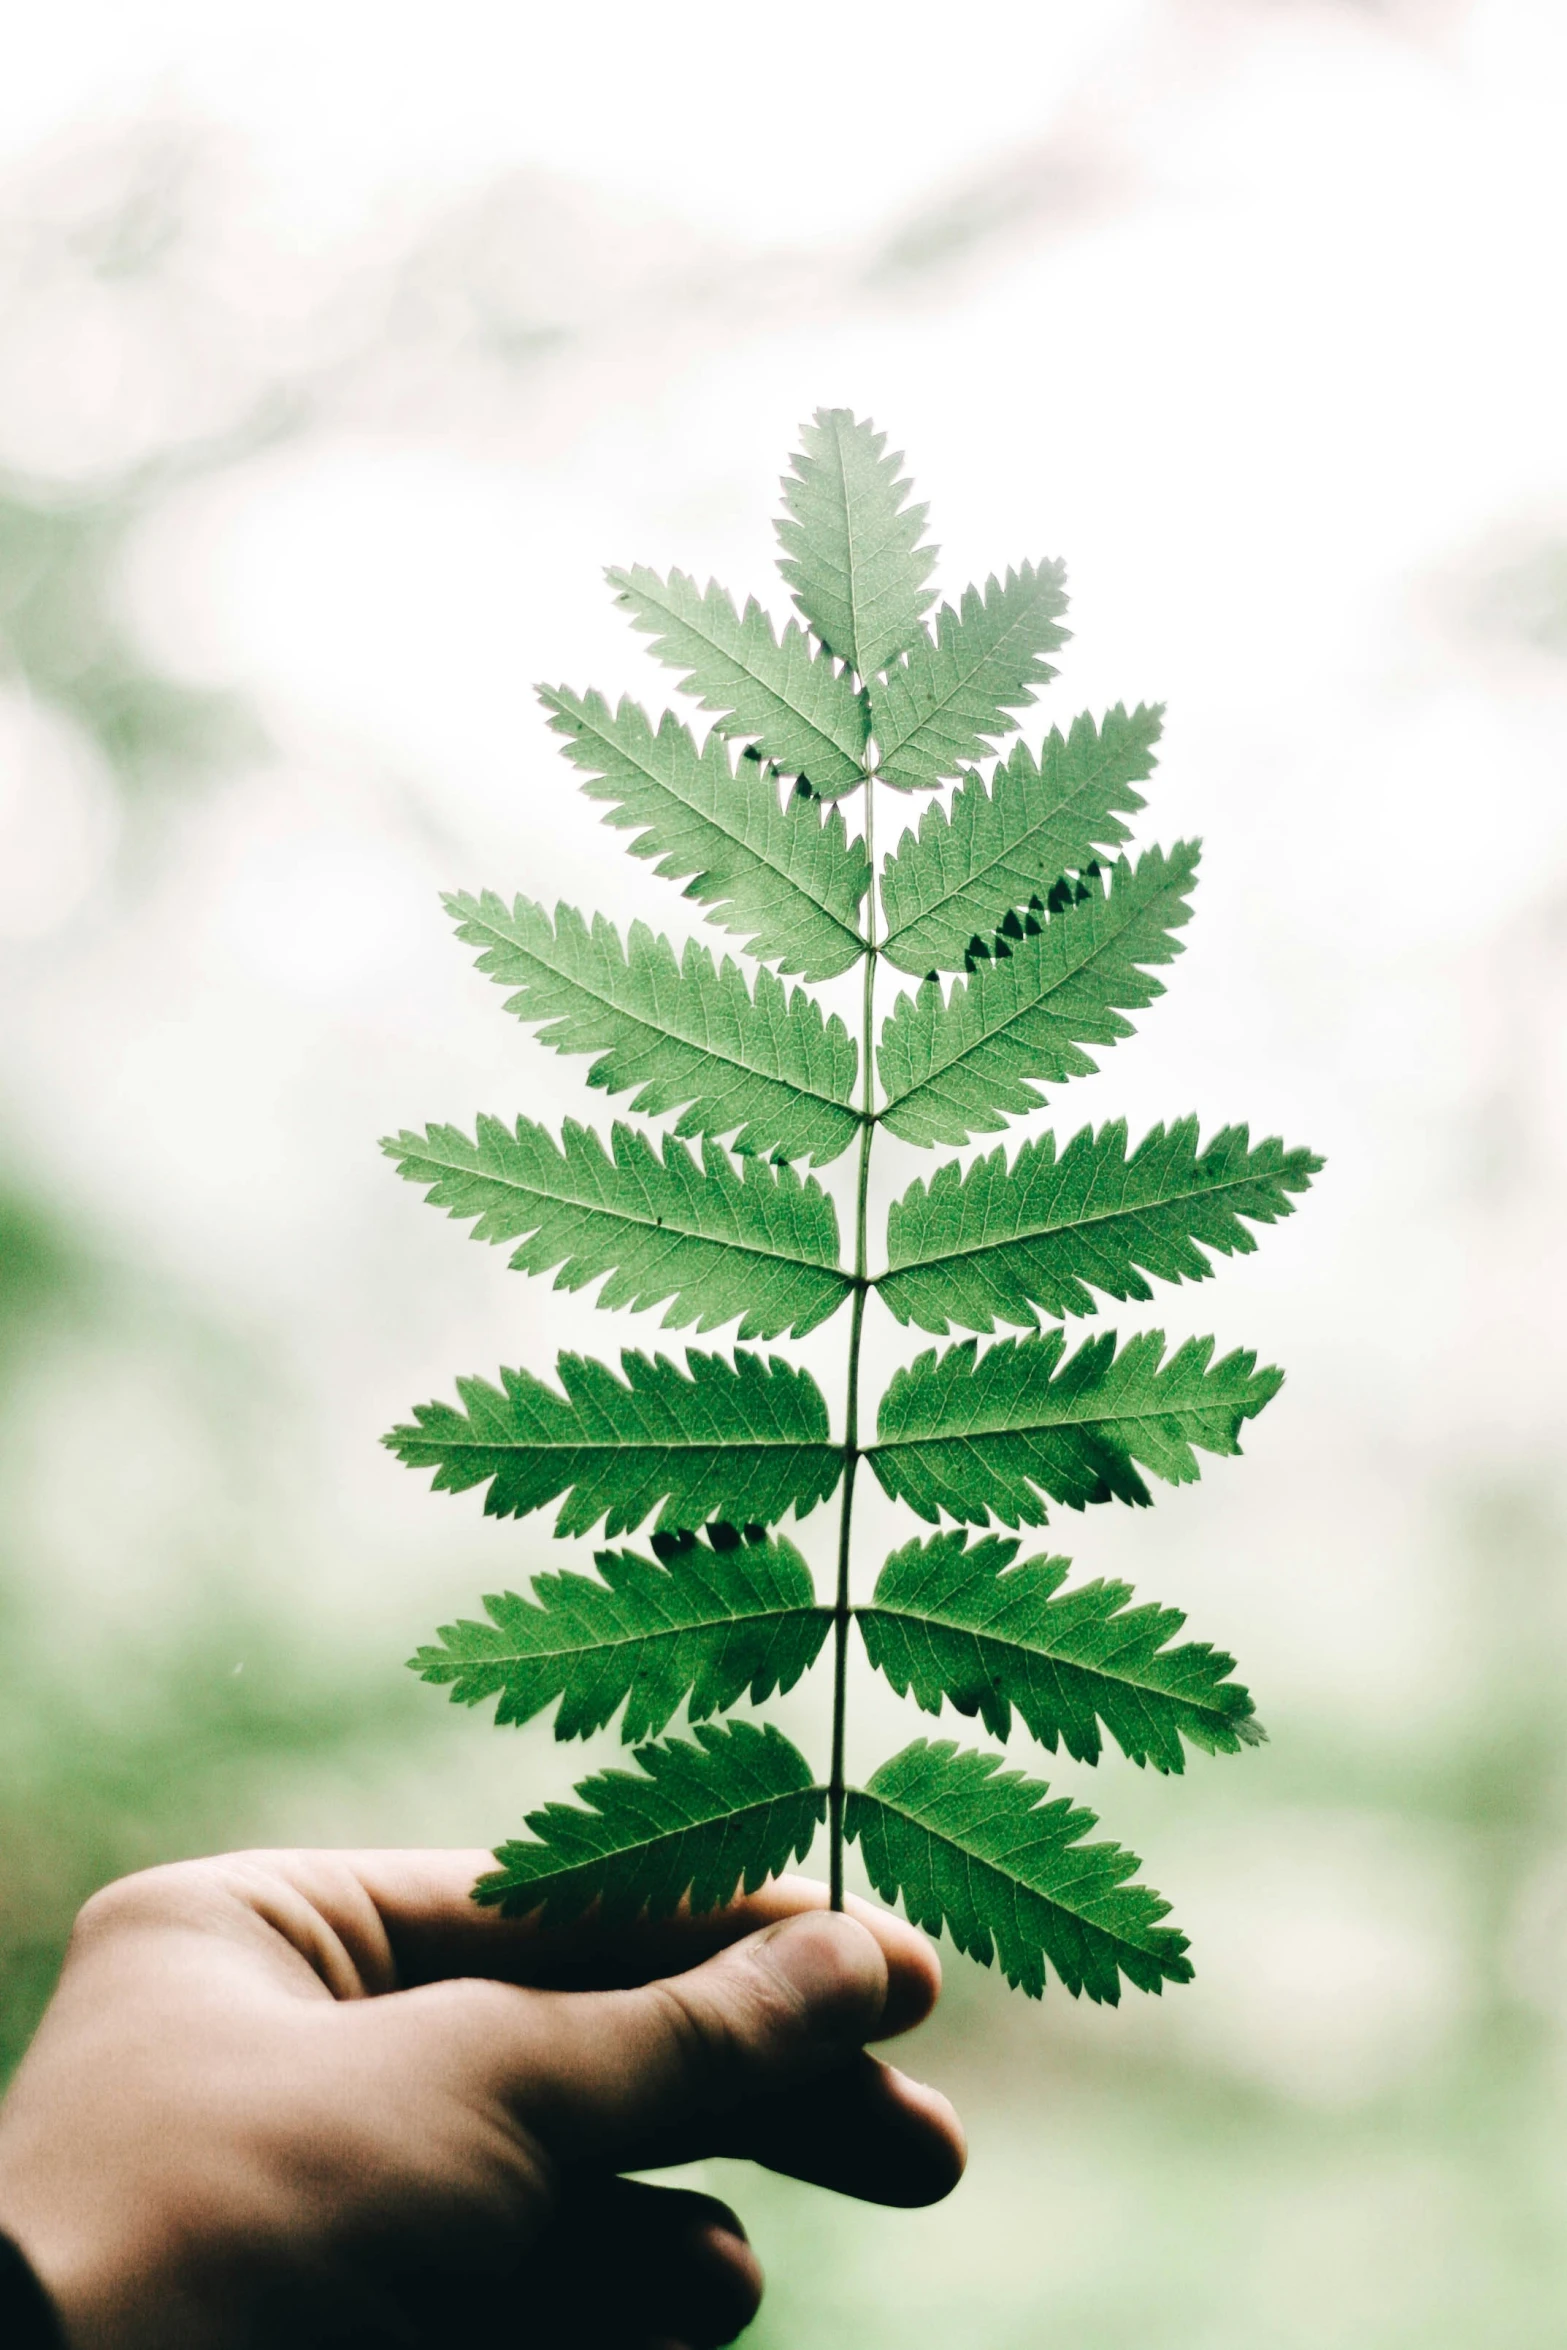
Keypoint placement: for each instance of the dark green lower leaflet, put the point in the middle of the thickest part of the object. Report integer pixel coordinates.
(976, 1848)
(690, 1823)
(966, 1843)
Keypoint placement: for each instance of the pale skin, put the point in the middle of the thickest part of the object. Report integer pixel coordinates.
(321, 2098)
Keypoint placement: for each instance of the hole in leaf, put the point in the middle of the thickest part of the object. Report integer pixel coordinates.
(671, 1543)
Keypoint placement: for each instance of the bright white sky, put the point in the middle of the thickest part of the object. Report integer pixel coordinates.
(774, 124)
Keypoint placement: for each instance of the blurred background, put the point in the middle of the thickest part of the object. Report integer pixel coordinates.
(343, 345)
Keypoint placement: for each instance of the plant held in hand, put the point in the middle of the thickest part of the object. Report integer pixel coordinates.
(1030, 935)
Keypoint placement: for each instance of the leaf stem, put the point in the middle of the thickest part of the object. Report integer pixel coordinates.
(851, 1424)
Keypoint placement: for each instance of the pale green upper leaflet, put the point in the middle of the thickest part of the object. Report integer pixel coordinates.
(955, 1066)
(778, 692)
(765, 1063)
(985, 869)
(851, 542)
(933, 711)
(782, 875)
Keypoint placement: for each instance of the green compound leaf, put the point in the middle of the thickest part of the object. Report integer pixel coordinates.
(703, 1821)
(975, 1848)
(951, 1069)
(989, 864)
(948, 1622)
(975, 1437)
(993, 1244)
(932, 711)
(719, 1619)
(680, 1033)
(719, 1238)
(741, 1442)
(779, 693)
(782, 876)
(852, 551)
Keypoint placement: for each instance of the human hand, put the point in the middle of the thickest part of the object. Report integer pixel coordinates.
(323, 2098)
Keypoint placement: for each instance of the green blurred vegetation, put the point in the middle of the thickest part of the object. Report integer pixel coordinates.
(174, 1751)
(62, 635)
(179, 1748)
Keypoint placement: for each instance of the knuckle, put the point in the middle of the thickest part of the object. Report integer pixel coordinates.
(150, 1896)
(479, 1999)
(471, 2013)
(181, 1892)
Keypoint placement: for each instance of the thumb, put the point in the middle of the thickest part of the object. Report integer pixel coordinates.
(609, 2069)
